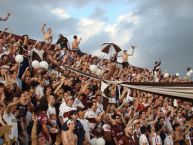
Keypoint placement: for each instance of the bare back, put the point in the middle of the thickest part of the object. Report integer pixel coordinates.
(48, 37)
(75, 44)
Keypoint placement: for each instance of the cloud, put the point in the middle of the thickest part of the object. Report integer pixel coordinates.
(160, 29)
(89, 27)
(99, 13)
(164, 31)
(97, 32)
(122, 30)
(129, 17)
(61, 13)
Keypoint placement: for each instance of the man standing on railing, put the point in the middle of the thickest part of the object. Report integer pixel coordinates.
(75, 44)
(47, 34)
(5, 18)
(125, 57)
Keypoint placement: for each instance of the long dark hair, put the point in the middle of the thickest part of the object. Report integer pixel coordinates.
(99, 132)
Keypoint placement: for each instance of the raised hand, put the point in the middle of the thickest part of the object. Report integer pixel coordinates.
(34, 117)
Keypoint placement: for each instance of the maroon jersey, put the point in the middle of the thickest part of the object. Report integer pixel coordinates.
(42, 117)
(140, 107)
(127, 140)
(117, 132)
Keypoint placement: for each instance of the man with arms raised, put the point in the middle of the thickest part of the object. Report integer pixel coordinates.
(75, 44)
(125, 57)
(68, 137)
(47, 34)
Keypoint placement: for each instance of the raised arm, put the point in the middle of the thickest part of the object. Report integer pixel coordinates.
(8, 109)
(1, 34)
(8, 37)
(34, 130)
(5, 18)
(59, 86)
(131, 54)
(125, 90)
(24, 74)
(79, 40)
(42, 29)
(159, 63)
(50, 58)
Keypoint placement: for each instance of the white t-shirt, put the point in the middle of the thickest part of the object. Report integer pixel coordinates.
(168, 140)
(91, 114)
(62, 106)
(63, 109)
(97, 141)
(187, 137)
(51, 110)
(143, 139)
(11, 120)
(156, 140)
(78, 103)
(99, 108)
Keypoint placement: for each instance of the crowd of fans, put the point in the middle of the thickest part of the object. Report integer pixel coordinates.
(58, 106)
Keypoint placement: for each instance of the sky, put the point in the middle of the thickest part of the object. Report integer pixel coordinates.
(160, 29)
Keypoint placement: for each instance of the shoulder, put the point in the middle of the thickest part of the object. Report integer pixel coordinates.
(143, 137)
(87, 112)
(78, 122)
(100, 141)
(75, 136)
(63, 133)
(93, 141)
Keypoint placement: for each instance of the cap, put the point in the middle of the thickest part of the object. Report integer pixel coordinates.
(4, 54)
(72, 112)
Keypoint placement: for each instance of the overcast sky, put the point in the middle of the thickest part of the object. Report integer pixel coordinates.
(160, 29)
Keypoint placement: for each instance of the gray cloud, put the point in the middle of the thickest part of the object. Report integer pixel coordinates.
(164, 30)
(98, 39)
(98, 13)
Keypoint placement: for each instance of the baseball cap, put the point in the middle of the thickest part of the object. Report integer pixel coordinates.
(73, 112)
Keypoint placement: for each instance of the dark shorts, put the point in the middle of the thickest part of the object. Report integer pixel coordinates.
(77, 50)
(125, 64)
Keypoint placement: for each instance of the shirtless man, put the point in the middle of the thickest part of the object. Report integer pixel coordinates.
(125, 56)
(75, 44)
(5, 18)
(68, 137)
(47, 35)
